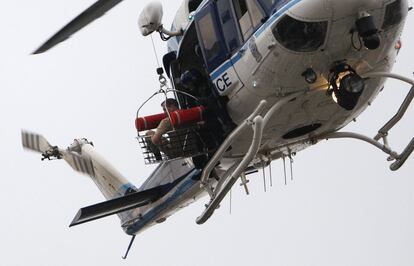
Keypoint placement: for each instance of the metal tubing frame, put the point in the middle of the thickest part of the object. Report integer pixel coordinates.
(232, 137)
(351, 135)
(226, 144)
(161, 29)
(383, 132)
(257, 126)
(257, 123)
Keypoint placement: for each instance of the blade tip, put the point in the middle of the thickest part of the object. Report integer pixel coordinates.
(39, 50)
(75, 220)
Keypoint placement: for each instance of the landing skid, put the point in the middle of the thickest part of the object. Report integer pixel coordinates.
(215, 201)
(383, 133)
(257, 123)
(399, 158)
(234, 175)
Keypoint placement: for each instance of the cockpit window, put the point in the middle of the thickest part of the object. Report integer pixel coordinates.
(393, 14)
(300, 36)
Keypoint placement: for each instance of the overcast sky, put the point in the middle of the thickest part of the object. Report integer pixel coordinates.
(344, 207)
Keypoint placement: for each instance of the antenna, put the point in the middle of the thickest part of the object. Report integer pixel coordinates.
(129, 247)
(284, 168)
(264, 175)
(291, 167)
(244, 182)
(230, 198)
(270, 174)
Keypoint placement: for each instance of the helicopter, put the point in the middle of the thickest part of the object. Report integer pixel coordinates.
(272, 78)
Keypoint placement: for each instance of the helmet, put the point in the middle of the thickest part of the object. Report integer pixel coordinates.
(191, 77)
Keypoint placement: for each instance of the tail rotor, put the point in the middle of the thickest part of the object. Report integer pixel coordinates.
(38, 143)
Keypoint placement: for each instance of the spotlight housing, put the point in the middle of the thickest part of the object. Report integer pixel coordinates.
(310, 76)
(346, 86)
(368, 32)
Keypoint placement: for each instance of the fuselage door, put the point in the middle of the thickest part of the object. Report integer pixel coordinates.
(219, 38)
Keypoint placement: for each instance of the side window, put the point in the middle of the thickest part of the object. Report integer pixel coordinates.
(228, 25)
(243, 17)
(255, 13)
(209, 37)
(249, 15)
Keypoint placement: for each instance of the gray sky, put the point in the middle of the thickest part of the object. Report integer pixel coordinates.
(344, 207)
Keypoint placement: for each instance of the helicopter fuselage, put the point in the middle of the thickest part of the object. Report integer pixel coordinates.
(268, 61)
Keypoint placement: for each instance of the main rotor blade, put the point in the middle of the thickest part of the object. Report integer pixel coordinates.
(89, 15)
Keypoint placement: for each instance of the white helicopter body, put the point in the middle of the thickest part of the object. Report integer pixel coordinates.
(265, 69)
(273, 62)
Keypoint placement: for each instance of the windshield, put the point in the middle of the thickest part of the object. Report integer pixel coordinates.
(300, 36)
(394, 14)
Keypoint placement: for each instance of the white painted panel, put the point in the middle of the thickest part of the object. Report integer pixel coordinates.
(227, 81)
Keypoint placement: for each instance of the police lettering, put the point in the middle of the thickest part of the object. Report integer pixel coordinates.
(223, 82)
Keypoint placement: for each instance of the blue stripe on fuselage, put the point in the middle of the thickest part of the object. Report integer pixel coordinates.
(125, 187)
(181, 188)
(219, 71)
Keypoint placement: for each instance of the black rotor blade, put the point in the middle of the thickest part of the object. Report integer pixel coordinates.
(95, 11)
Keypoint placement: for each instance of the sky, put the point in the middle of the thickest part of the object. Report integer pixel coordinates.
(343, 207)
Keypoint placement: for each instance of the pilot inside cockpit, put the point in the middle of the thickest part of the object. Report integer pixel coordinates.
(193, 83)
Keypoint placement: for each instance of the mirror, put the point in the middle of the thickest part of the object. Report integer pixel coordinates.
(150, 18)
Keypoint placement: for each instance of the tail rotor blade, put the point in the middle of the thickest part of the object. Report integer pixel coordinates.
(94, 12)
(35, 142)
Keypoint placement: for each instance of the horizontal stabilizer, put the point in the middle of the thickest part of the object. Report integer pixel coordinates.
(110, 207)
